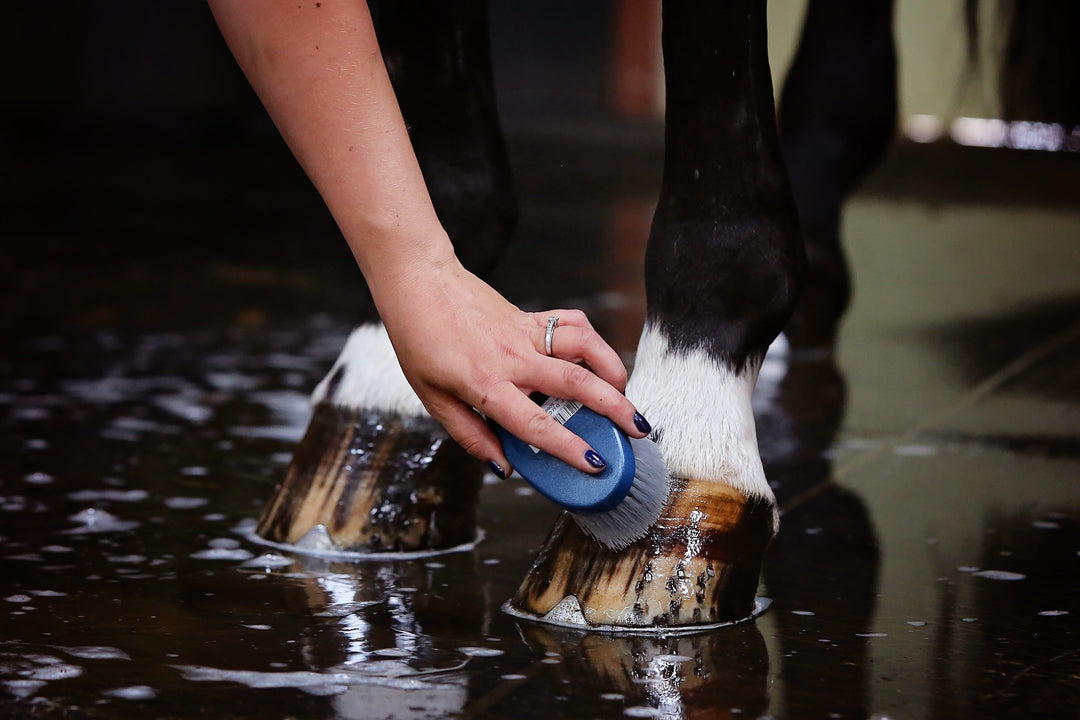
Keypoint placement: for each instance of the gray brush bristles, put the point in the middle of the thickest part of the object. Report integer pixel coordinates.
(631, 519)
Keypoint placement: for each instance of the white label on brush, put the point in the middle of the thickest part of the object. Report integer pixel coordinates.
(561, 410)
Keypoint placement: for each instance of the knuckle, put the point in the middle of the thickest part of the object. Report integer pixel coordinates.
(576, 316)
(472, 443)
(576, 377)
(538, 424)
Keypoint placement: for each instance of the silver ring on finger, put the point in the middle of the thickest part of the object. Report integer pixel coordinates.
(552, 323)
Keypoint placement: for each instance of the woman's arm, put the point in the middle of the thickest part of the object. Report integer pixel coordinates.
(317, 68)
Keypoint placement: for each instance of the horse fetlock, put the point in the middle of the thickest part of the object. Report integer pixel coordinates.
(699, 563)
(373, 472)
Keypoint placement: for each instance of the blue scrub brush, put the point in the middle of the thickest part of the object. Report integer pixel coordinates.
(616, 506)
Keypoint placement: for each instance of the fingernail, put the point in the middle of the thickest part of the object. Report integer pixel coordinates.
(593, 458)
(641, 423)
(497, 469)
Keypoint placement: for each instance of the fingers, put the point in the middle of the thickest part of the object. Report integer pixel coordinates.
(575, 341)
(527, 421)
(471, 431)
(561, 379)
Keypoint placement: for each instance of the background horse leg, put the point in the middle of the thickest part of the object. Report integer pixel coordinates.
(373, 471)
(837, 116)
(723, 269)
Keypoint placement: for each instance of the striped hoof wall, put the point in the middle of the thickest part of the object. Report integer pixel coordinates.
(375, 482)
(697, 567)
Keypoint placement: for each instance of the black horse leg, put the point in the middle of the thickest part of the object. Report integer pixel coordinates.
(439, 60)
(723, 269)
(837, 115)
(374, 471)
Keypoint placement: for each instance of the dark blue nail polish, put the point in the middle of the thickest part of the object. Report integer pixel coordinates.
(497, 469)
(593, 458)
(641, 423)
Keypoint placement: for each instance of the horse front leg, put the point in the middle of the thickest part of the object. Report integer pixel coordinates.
(723, 270)
(837, 116)
(374, 472)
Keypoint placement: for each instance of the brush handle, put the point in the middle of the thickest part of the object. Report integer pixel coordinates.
(567, 486)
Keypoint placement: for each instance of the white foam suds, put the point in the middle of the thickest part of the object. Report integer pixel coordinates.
(57, 671)
(56, 549)
(231, 381)
(30, 413)
(47, 593)
(185, 503)
(256, 627)
(807, 613)
(573, 618)
(479, 651)
(23, 688)
(512, 676)
(222, 554)
(127, 559)
(392, 673)
(185, 405)
(872, 635)
(1046, 525)
(287, 407)
(38, 478)
(392, 653)
(284, 433)
(317, 543)
(93, 520)
(916, 623)
(132, 692)
(224, 543)
(969, 619)
(269, 561)
(914, 450)
(612, 696)
(194, 471)
(1000, 575)
(96, 652)
(95, 495)
(644, 711)
(1053, 613)
(20, 598)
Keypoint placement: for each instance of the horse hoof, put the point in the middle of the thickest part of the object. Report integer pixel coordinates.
(364, 481)
(697, 567)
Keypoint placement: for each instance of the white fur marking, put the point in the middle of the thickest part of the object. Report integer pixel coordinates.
(372, 378)
(702, 410)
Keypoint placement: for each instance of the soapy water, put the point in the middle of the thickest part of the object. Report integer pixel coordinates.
(128, 542)
(318, 544)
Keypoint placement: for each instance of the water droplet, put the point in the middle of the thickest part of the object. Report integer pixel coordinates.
(479, 651)
(1000, 575)
(133, 692)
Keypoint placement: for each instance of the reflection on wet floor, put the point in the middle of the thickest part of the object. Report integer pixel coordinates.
(927, 565)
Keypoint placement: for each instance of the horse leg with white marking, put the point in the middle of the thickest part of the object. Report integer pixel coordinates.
(375, 472)
(723, 270)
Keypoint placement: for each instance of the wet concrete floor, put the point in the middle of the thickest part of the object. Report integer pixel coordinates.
(161, 333)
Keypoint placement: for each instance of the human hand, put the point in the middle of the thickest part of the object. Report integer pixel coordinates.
(466, 350)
